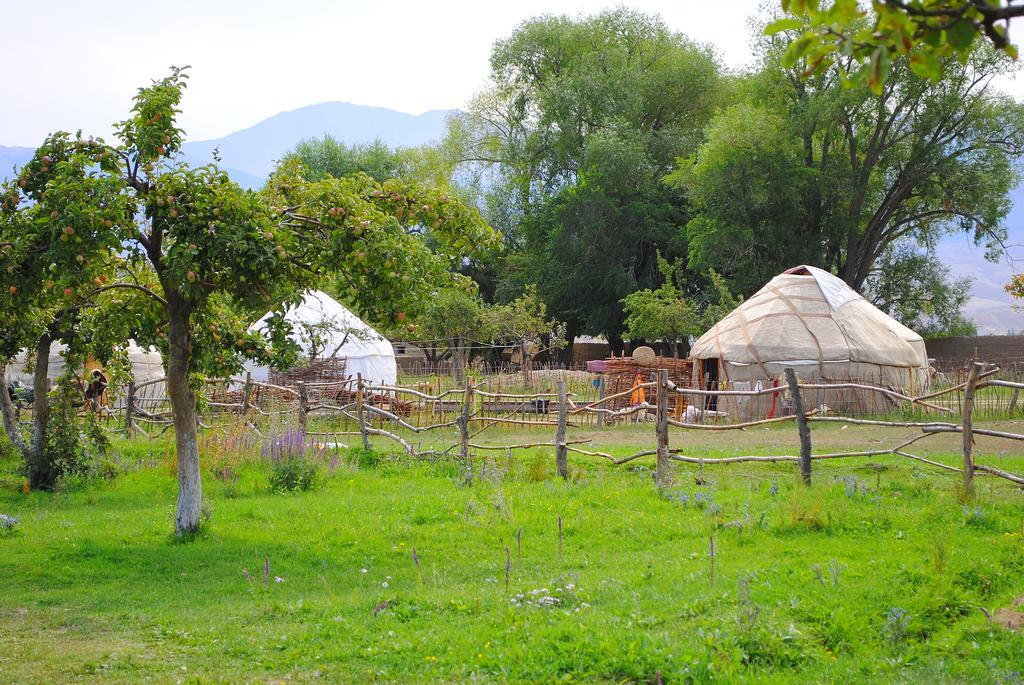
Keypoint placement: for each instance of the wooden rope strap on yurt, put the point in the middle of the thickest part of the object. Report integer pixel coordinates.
(796, 312)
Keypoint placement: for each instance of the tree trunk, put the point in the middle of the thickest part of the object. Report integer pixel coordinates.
(458, 361)
(41, 474)
(183, 407)
(615, 344)
(9, 414)
(527, 365)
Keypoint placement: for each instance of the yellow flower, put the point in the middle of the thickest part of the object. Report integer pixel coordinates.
(431, 658)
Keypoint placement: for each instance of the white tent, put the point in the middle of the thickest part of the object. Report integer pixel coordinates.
(147, 365)
(810, 320)
(320, 323)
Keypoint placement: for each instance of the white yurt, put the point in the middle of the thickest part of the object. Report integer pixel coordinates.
(322, 325)
(147, 365)
(812, 321)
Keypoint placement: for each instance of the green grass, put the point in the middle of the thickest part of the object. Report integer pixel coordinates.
(95, 589)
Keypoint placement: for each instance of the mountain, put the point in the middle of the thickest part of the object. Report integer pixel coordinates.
(248, 155)
(253, 151)
(990, 306)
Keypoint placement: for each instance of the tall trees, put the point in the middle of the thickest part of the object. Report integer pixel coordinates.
(61, 224)
(208, 245)
(327, 156)
(662, 314)
(582, 119)
(815, 171)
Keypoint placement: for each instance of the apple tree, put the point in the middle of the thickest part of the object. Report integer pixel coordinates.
(212, 249)
(61, 223)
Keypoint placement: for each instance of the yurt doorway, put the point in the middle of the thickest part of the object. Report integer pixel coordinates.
(709, 377)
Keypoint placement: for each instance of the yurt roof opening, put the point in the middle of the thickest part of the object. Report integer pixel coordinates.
(335, 344)
(810, 320)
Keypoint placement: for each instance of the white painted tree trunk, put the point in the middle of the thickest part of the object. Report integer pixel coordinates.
(183, 406)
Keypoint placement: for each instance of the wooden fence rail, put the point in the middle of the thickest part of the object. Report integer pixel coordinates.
(377, 410)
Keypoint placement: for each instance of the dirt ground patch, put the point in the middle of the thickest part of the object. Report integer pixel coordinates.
(1011, 617)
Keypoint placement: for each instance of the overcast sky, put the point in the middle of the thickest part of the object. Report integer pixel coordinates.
(77, 63)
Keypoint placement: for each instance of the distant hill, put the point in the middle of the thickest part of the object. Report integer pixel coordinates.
(990, 306)
(254, 150)
(248, 155)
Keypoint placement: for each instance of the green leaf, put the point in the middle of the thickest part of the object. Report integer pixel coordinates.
(782, 25)
(844, 12)
(925, 65)
(876, 73)
(961, 35)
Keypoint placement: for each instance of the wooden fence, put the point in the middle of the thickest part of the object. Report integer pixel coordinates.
(383, 411)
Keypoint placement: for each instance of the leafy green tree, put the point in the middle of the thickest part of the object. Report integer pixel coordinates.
(927, 33)
(663, 313)
(214, 249)
(60, 228)
(327, 156)
(913, 286)
(456, 316)
(749, 185)
(524, 323)
(570, 142)
(846, 174)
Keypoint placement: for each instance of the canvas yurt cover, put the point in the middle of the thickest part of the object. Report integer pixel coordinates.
(812, 321)
(147, 365)
(341, 334)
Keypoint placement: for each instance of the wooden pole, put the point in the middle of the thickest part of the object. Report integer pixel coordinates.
(972, 381)
(1016, 391)
(467, 402)
(600, 396)
(360, 414)
(246, 393)
(802, 426)
(663, 472)
(561, 451)
(303, 406)
(129, 408)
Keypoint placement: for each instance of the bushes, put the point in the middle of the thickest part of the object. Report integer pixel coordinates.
(293, 474)
(75, 447)
(295, 461)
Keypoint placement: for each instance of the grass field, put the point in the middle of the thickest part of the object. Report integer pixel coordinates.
(877, 573)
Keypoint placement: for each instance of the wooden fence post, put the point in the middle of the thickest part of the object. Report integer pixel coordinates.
(246, 392)
(561, 450)
(303, 406)
(467, 402)
(802, 426)
(972, 382)
(129, 408)
(663, 472)
(600, 396)
(360, 413)
(1017, 376)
